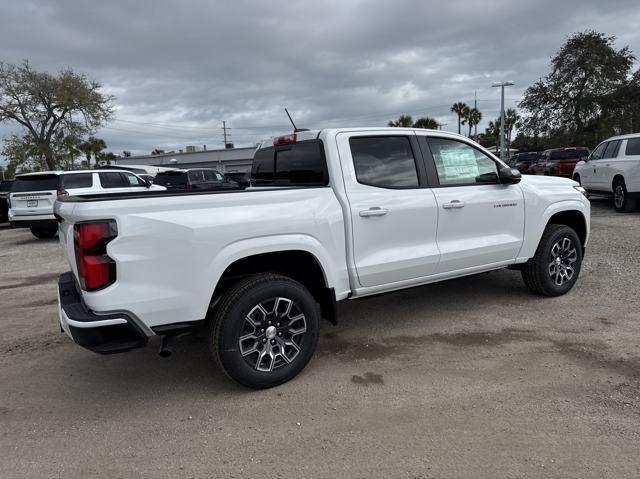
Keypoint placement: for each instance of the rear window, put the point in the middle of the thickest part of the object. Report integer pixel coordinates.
(568, 155)
(633, 147)
(171, 178)
(300, 164)
(35, 183)
(78, 180)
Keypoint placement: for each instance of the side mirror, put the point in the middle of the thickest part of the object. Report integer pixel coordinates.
(147, 183)
(509, 176)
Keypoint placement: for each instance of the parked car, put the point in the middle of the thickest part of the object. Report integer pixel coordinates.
(5, 185)
(243, 179)
(560, 161)
(524, 161)
(331, 215)
(613, 169)
(32, 195)
(194, 179)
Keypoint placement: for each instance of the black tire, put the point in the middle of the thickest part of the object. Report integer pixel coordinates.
(44, 233)
(541, 272)
(621, 201)
(230, 323)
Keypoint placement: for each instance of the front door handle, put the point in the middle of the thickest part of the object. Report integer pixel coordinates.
(453, 205)
(375, 211)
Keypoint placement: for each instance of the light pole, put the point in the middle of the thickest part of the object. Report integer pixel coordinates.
(502, 84)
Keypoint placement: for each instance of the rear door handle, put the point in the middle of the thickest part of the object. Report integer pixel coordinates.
(375, 211)
(453, 205)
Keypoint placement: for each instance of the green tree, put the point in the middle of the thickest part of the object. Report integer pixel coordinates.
(92, 148)
(404, 121)
(427, 122)
(511, 119)
(473, 116)
(50, 107)
(126, 153)
(459, 109)
(586, 74)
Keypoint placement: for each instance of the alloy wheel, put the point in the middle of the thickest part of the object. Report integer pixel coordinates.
(563, 256)
(272, 334)
(618, 196)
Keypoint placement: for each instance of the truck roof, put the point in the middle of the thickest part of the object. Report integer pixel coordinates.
(71, 172)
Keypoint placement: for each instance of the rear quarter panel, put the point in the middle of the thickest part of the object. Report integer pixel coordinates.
(171, 251)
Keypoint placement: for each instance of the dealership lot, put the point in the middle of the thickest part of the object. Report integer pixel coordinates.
(468, 378)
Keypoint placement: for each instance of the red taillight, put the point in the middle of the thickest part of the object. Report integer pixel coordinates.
(285, 140)
(95, 269)
(189, 186)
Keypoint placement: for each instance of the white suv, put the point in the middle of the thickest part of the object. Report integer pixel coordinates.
(32, 195)
(613, 169)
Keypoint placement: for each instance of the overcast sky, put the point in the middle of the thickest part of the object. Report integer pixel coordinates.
(178, 69)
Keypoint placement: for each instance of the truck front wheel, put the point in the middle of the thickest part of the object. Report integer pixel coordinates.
(264, 330)
(556, 265)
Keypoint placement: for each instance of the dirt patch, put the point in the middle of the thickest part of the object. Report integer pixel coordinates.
(367, 379)
(32, 281)
(40, 303)
(42, 342)
(371, 349)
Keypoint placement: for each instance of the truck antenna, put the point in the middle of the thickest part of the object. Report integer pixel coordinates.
(295, 128)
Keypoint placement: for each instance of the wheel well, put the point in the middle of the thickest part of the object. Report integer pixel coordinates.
(615, 180)
(573, 219)
(301, 266)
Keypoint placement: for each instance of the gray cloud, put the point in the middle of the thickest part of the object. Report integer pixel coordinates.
(179, 69)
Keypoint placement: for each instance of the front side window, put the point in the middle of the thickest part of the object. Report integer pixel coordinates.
(384, 161)
(133, 180)
(196, 176)
(460, 164)
(611, 151)
(598, 152)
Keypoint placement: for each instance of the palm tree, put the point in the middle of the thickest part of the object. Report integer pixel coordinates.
(92, 146)
(427, 122)
(473, 117)
(511, 117)
(404, 121)
(458, 109)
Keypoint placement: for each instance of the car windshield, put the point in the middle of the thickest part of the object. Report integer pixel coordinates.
(171, 178)
(569, 155)
(35, 183)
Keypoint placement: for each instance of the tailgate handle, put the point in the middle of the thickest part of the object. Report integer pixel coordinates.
(453, 205)
(375, 211)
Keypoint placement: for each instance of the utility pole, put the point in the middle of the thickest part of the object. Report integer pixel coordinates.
(224, 132)
(440, 125)
(502, 84)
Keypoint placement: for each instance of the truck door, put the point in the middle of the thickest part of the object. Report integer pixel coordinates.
(480, 221)
(393, 212)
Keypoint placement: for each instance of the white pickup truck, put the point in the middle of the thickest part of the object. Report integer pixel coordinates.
(331, 215)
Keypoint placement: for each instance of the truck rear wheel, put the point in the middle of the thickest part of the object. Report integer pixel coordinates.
(556, 265)
(264, 330)
(44, 233)
(621, 200)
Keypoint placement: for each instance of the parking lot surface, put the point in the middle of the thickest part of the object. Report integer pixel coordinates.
(473, 377)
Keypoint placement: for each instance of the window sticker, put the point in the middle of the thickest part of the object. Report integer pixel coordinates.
(459, 163)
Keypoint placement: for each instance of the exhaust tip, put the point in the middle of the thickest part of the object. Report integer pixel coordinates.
(165, 353)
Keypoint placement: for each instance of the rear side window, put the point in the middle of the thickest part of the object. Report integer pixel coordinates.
(113, 180)
(171, 178)
(300, 164)
(35, 183)
(568, 155)
(78, 180)
(633, 147)
(196, 176)
(385, 161)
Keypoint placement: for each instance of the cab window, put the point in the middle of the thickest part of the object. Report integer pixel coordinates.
(460, 164)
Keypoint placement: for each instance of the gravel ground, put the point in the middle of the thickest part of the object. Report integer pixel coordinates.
(467, 378)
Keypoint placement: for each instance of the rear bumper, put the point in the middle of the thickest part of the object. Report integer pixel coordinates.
(32, 221)
(104, 333)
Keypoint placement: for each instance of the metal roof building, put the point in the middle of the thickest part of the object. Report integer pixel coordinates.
(230, 160)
